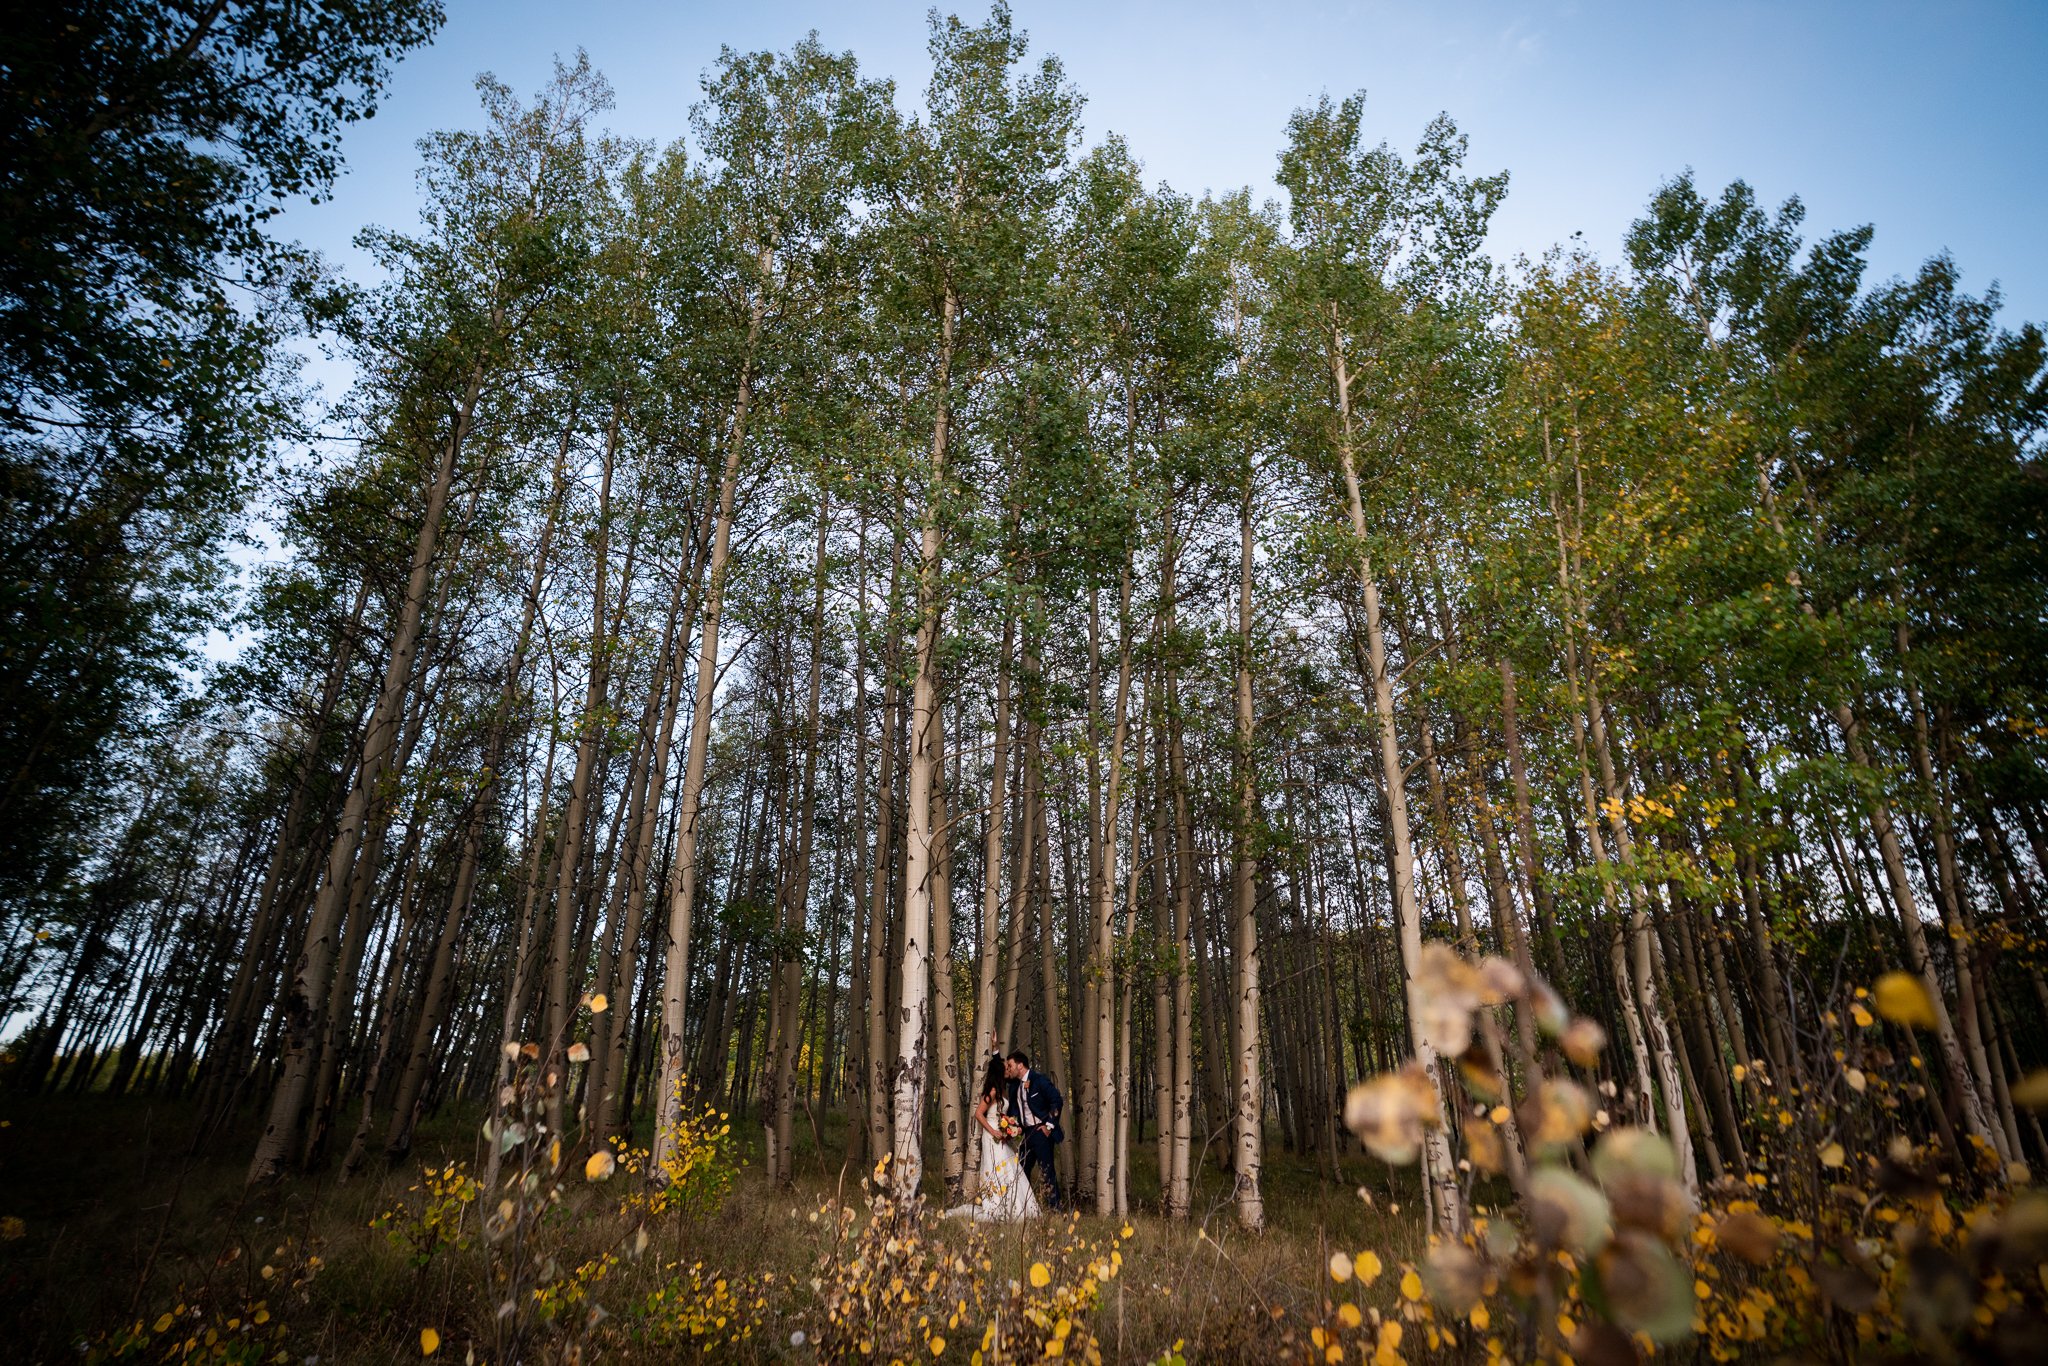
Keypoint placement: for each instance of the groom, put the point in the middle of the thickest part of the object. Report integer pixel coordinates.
(1036, 1103)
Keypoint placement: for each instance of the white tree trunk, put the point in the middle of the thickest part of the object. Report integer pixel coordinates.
(912, 1054)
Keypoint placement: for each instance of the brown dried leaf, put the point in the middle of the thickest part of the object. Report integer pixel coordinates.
(1582, 1041)
(1657, 1205)
(1848, 1288)
(1390, 1113)
(1749, 1236)
(1445, 992)
(1598, 1343)
(1555, 1115)
(1499, 981)
(1549, 1008)
(1454, 1277)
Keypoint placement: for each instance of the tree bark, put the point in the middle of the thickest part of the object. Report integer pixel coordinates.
(912, 1054)
(795, 903)
(306, 1006)
(682, 900)
(1439, 1171)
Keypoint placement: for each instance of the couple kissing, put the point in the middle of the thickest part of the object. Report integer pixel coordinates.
(1016, 1108)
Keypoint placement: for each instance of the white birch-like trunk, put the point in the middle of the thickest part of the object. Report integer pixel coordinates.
(1440, 1172)
(682, 901)
(912, 1055)
(1247, 1127)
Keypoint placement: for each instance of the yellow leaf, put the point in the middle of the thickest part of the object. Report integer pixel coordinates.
(1348, 1315)
(1041, 1275)
(1903, 999)
(1366, 1265)
(598, 1004)
(1832, 1155)
(600, 1165)
(1864, 1019)
(1411, 1286)
(163, 1323)
(430, 1342)
(2032, 1090)
(938, 1347)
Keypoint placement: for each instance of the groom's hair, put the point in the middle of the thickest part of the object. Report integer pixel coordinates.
(1021, 1058)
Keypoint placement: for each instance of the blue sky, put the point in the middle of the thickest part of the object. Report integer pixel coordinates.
(1926, 120)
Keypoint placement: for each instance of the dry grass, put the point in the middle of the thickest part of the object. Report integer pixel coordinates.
(120, 1225)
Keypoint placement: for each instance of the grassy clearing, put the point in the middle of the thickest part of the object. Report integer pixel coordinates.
(119, 1225)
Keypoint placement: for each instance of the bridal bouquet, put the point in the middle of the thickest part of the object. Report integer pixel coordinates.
(1008, 1127)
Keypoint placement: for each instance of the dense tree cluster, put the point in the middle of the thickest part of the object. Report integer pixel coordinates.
(143, 150)
(851, 583)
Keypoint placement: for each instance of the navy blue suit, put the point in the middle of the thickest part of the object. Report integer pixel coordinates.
(1046, 1102)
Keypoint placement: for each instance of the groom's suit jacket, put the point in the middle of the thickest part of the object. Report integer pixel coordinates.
(1045, 1100)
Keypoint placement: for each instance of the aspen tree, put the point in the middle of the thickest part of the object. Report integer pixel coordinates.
(524, 172)
(967, 187)
(1376, 235)
(777, 196)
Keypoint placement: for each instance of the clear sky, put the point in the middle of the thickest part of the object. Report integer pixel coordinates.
(1926, 120)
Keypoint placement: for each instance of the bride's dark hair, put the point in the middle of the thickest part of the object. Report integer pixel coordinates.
(993, 1079)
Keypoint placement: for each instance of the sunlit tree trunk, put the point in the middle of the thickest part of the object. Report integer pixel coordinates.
(682, 899)
(945, 1025)
(1176, 1177)
(1104, 970)
(519, 978)
(879, 1063)
(1248, 1124)
(987, 941)
(1030, 831)
(912, 1057)
(581, 814)
(609, 1064)
(860, 1000)
(1440, 1172)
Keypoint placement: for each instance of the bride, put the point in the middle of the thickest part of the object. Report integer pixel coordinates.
(1004, 1194)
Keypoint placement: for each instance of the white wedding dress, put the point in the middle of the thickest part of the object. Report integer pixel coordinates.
(1004, 1195)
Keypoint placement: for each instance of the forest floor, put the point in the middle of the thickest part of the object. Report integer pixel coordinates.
(120, 1227)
